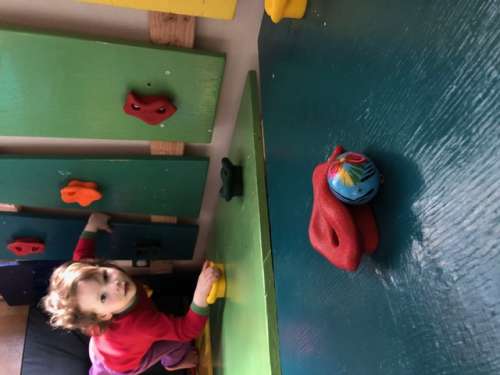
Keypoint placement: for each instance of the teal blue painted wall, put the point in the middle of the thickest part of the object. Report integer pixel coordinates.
(416, 86)
(128, 240)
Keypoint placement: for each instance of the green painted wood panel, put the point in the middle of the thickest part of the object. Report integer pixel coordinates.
(55, 86)
(243, 325)
(127, 241)
(148, 185)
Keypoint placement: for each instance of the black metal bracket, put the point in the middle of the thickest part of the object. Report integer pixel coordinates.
(232, 180)
(148, 248)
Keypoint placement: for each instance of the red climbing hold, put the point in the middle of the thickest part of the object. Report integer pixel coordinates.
(153, 110)
(339, 232)
(26, 246)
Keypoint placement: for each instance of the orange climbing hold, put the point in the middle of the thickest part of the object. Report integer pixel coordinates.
(83, 193)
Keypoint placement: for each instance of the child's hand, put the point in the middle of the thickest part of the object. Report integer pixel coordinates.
(98, 221)
(208, 276)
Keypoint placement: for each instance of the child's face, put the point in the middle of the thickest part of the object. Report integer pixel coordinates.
(110, 293)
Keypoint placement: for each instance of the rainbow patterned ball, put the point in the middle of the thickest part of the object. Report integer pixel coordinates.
(353, 178)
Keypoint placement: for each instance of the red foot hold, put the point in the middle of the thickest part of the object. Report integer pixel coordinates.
(26, 246)
(367, 227)
(339, 232)
(153, 110)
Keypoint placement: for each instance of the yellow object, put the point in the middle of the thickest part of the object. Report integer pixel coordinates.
(278, 9)
(149, 291)
(204, 346)
(222, 9)
(219, 287)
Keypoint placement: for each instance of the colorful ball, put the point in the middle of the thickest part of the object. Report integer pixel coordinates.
(353, 178)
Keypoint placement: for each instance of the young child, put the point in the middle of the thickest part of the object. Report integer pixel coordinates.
(128, 334)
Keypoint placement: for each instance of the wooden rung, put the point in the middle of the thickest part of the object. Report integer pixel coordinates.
(203, 343)
(172, 29)
(175, 30)
(166, 148)
(5, 207)
(163, 219)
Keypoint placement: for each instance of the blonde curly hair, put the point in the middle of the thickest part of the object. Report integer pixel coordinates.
(61, 303)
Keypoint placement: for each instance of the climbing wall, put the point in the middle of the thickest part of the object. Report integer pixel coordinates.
(243, 325)
(416, 86)
(54, 86)
(64, 87)
(128, 240)
(148, 185)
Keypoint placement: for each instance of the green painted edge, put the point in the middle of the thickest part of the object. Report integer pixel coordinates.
(267, 259)
(246, 150)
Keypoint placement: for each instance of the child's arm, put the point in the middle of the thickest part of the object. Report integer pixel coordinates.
(85, 248)
(208, 276)
(190, 326)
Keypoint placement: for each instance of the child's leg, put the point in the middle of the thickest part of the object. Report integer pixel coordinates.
(169, 353)
(99, 369)
(191, 360)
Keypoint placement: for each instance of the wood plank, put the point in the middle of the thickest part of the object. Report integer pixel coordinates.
(69, 98)
(7, 207)
(172, 29)
(13, 322)
(166, 148)
(150, 241)
(148, 185)
(164, 219)
(240, 240)
(178, 31)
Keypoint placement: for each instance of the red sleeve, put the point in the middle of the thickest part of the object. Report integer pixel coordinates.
(166, 327)
(85, 249)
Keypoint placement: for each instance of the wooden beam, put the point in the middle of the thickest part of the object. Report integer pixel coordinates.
(166, 148)
(172, 29)
(178, 31)
(205, 365)
(13, 320)
(6, 207)
(163, 219)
